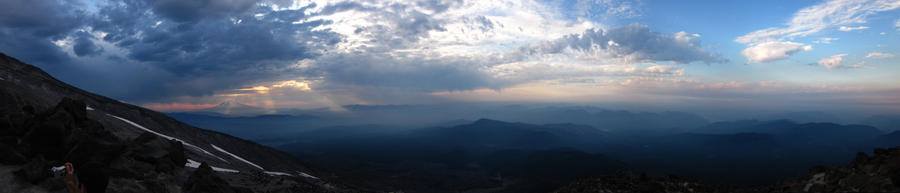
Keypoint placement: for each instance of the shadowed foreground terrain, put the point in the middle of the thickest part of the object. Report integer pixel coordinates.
(45, 123)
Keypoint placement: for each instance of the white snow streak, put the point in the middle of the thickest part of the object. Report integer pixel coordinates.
(236, 157)
(278, 173)
(88, 108)
(307, 175)
(167, 137)
(260, 167)
(194, 164)
(224, 170)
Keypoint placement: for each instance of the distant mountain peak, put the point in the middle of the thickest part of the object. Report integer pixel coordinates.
(487, 121)
(232, 108)
(232, 104)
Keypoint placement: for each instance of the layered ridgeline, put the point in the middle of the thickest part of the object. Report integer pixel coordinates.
(45, 123)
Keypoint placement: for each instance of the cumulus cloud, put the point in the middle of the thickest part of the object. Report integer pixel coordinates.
(832, 61)
(772, 51)
(879, 55)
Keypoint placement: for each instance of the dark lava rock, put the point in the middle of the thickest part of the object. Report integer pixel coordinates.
(35, 171)
(11, 156)
(175, 154)
(204, 180)
(156, 153)
(878, 173)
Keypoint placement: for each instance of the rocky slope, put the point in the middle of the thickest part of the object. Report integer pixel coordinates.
(45, 122)
(878, 173)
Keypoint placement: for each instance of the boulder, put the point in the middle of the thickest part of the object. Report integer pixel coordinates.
(205, 180)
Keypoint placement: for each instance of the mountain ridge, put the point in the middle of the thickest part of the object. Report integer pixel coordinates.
(25, 86)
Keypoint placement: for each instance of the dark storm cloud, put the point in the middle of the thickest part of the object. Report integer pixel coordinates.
(28, 27)
(171, 48)
(31, 49)
(42, 18)
(217, 53)
(193, 10)
(84, 46)
(632, 41)
(177, 48)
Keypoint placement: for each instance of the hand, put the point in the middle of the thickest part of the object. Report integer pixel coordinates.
(70, 183)
(69, 169)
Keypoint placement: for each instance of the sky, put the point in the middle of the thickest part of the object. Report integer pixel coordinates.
(175, 55)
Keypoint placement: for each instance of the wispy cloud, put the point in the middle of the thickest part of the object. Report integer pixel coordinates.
(811, 20)
(826, 40)
(836, 62)
(897, 24)
(879, 55)
(845, 28)
(817, 18)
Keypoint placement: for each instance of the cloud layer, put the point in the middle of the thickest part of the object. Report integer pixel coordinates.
(176, 53)
(207, 48)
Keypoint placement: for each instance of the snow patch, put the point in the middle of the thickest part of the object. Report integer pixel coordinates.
(278, 173)
(194, 164)
(88, 108)
(168, 137)
(301, 174)
(224, 170)
(307, 175)
(260, 167)
(237, 157)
